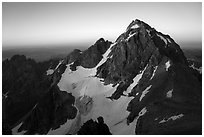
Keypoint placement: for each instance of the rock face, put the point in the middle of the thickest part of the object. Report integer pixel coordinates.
(94, 128)
(140, 84)
(133, 50)
(73, 56)
(23, 85)
(167, 87)
(51, 112)
(91, 57)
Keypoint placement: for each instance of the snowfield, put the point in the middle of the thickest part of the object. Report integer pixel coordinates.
(112, 111)
(82, 82)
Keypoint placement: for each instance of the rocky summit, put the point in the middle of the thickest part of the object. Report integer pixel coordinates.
(140, 84)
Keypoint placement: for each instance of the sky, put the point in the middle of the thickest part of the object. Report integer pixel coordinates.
(81, 24)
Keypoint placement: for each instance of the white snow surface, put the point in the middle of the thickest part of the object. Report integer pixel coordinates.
(105, 56)
(167, 64)
(148, 31)
(135, 82)
(15, 130)
(142, 112)
(60, 62)
(129, 36)
(112, 111)
(145, 92)
(82, 82)
(135, 26)
(168, 40)
(154, 72)
(169, 93)
(172, 118)
(161, 37)
(50, 71)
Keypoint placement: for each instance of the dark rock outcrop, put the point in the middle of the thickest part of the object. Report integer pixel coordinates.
(53, 110)
(24, 83)
(91, 57)
(73, 56)
(94, 128)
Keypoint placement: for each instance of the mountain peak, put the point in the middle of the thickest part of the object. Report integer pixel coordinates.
(135, 24)
(140, 33)
(101, 40)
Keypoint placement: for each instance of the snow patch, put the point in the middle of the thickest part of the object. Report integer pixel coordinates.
(145, 92)
(130, 35)
(5, 95)
(15, 130)
(154, 72)
(135, 81)
(105, 56)
(135, 26)
(60, 62)
(142, 112)
(148, 31)
(168, 40)
(171, 118)
(155, 119)
(198, 69)
(50, 71)
(161, 37)
(169, 93)
(167, 64)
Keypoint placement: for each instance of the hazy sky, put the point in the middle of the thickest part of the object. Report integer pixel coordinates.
(60, 24)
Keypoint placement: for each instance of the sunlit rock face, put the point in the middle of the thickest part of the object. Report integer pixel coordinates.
(140, 84)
